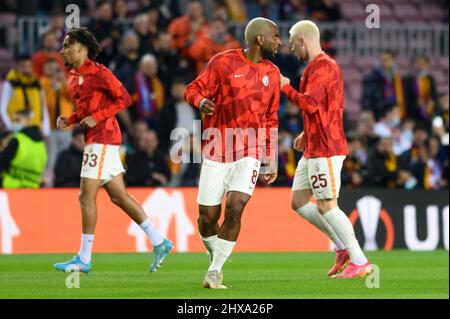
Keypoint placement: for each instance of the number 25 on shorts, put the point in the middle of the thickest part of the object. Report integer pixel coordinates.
(318, 181)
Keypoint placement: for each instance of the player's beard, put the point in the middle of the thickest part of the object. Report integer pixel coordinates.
(267, 53)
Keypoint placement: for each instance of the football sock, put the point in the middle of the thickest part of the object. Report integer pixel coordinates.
(85, 252)
(152, 233)
(340, 223)
(312, 215)
(209, 243)
(222, 250)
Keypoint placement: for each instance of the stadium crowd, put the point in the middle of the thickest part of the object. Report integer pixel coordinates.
(400, 139)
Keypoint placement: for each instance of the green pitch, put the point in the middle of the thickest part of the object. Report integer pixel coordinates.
(403, 274)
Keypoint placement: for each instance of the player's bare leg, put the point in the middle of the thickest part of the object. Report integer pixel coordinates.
(340, 223)
(88, 204)
(301, 203)
(208, 225)
(119, 196)
(228, 234)
(87, 198)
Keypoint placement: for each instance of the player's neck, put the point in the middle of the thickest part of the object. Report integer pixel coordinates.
(79, 63)
(254, 56)
(314, 53)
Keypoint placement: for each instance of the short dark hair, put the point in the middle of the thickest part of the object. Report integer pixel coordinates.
(25, 113)
(77, 130)
(390, 52)
(23, 57)
(101, 3)
(86, 38)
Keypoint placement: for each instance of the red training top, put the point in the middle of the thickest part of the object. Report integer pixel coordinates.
(321, 99)
(98, 93)
(247, 98)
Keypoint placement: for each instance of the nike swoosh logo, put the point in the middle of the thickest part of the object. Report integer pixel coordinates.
(238, 75)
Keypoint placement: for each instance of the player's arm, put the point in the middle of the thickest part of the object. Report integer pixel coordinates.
(200, 93)
(271, 137)
(110, 85)
(315, 90)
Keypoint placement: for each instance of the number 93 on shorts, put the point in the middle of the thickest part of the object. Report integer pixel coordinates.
(322, 175)
(101, 161)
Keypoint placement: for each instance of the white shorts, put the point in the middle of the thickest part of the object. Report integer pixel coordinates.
(322, 175)
(101, 161)
(216, 179)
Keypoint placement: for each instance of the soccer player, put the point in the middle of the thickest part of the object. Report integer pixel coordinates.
(98, 97)
(321, 99)
(237, 89)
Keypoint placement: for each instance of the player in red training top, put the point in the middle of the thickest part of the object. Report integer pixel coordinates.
(98, 97)
(238, 92)
(321, 99)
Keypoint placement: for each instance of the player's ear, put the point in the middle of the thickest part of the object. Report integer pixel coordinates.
(259, 40)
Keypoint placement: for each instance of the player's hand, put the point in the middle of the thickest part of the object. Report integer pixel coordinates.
(88, 122)
(271, 172)
(62, 122)
(284, 80)
(299, 143)
(207, 106)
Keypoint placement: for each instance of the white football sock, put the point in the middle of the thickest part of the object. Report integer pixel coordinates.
(209, 243)
(222, 251)
(312, 215)
(152, 233)
(340, 223)
(85, 252)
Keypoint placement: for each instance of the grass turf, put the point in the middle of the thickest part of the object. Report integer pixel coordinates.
(403, 274)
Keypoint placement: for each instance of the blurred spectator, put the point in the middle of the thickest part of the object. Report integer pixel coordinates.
(383, 166)
(125, 65)
(188, 171)
(170, 64)
(59, 102)
(293, 10)
(287, 158)
(383, 87)
(21, 91)
(140, 128)
(69, 162)
(156, 20)
(49, 50)
(354, 163)
(288, 64)
(120, 9)
(365, 128)
(262, 8)
(177, 113)
(440, 121)
(291, 121)
(5, 137)
(409, 157)
(389, 125)
(16, 168)
(56, 25)
(149, 96)
(187, 28)
(326, 10)
(421, 95)
(105, 30)
(142, 29)
(206, 46)
(147, 166)
(427, 169)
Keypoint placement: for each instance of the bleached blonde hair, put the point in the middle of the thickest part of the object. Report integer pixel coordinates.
(306, 29)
